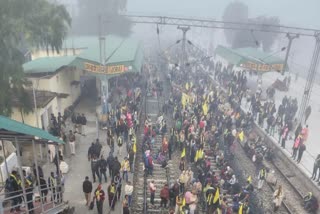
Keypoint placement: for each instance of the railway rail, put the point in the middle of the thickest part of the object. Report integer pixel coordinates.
(292, 185)
(161, 176)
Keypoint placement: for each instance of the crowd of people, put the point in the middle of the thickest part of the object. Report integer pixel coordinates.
(120, 127)
(208, 123)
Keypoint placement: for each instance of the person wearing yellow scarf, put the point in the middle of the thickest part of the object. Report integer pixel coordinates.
(99, 196)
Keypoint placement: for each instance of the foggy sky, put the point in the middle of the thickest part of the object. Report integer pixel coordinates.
(303, 13)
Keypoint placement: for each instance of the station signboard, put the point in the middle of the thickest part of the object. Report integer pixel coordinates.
(110, 69)
(262, 67)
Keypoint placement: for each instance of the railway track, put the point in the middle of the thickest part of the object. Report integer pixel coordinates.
(288, 179)
(292, 186)
(161, 175)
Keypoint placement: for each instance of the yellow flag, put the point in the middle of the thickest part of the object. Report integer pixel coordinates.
(240, 210)
(205, 108)
(217, 196)
(187, 86)
(183, 153)
(196, 156)
(249, 179)
(241, 136)
(134, 147)
(184, 99)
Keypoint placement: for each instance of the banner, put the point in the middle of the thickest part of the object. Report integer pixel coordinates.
(185, 99)
(112, 69)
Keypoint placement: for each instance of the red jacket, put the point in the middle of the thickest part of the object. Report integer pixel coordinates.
(165, 193)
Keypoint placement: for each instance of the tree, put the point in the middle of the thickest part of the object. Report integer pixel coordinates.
(87, 20)
(36, 22)
(235, 12)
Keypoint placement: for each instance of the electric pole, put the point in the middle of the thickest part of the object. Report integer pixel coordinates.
(310, 79)
(291, 38)
(184, 39)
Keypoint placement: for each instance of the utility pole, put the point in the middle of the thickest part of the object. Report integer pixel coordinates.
(310, 79)
(291, 38)
(36, 110)
(184, 39)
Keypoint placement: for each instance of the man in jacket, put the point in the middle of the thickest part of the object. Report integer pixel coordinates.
(110, 161)
(99, 196)
(164, 195)
(125, 168)
(128, 189)
(87, 190)
(116, 167)
(83, 123)
(103, 168)
(112, 189)
(52, 186)
(13, 185)
(95, 168)
(91, 151)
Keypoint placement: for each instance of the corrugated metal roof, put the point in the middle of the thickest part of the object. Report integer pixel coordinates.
(47, 64)
(117, 49)
(7, 124)
(229, 55)
(258, 55)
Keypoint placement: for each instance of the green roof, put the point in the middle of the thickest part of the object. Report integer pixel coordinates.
(17, 128)
(119, 50)
(241, 55)
(228, 54)
(47, 64)
(258, 55)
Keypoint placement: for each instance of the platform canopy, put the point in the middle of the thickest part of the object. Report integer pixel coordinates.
(11, 130)
(122, 55)
(250, 58)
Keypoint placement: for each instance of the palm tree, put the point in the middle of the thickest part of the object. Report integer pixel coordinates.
(37, 22)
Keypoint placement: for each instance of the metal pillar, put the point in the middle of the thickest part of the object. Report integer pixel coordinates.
(5, 159)
(291, 38)
(37, 174)
(24, 194)
(36, 113)
(310, 79)
(59, 185)
(183, 54)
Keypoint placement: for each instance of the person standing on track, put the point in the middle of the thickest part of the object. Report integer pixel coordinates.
(152, 189)
(262, 177)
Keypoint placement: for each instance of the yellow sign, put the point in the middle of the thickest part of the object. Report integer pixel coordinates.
(114, 69)
(262, 67)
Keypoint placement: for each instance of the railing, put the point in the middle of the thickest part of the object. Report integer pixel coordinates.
(12, 200)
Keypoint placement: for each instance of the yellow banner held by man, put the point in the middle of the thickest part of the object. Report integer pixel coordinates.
(241, 136)
(205, 108)
(184, 99)
(183, 153)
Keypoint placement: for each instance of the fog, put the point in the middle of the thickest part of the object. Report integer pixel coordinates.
(289, 12)
(298, 14)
